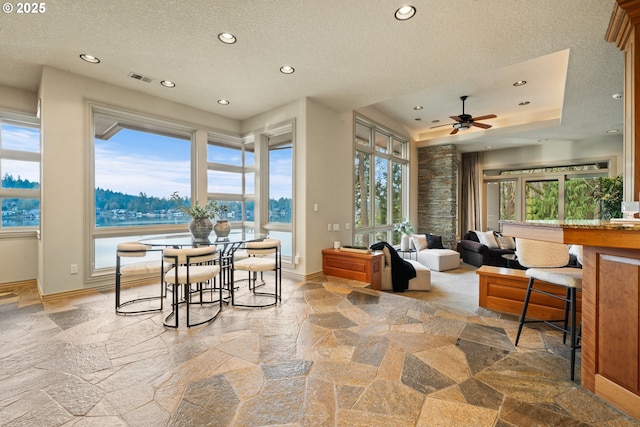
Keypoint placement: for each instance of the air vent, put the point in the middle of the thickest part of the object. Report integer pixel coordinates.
(140, 77)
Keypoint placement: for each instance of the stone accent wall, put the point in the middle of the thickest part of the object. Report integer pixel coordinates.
(438, 192)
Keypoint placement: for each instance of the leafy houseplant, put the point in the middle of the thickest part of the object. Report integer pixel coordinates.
(405, 228)
(609, 195)
(201, 216)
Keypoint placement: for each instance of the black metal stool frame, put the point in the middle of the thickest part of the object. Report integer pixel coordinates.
(570, 308)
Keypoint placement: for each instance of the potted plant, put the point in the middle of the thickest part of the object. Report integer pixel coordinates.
(201, 216)
(405, 228)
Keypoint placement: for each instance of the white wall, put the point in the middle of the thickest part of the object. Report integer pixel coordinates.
(323, 173)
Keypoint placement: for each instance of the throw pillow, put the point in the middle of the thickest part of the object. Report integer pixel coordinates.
(487, 238)
(434, 242)
(419, 241)
(506, 242)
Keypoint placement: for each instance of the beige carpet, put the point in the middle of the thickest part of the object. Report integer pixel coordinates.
(456, 288)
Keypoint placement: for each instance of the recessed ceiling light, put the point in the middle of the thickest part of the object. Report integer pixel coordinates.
(405, 12)
(435, 121)
(617, 96)
(227, 38)
(489, 147)
(418, 107)
(613, 131)
(223, 101)
(286, 69)
(418, 119)
(89, 58)
(167, 83)
(524, 103)
(543, 140)
(520, 83)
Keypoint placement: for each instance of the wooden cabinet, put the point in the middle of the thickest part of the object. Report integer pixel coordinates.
(610, 355)
(363, 267)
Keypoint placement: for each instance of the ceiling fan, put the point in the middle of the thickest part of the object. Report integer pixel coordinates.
(465, 121)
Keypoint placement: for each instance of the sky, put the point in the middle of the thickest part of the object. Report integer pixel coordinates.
(132, 162)
(23, 139)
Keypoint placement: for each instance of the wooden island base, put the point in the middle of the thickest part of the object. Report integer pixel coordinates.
(503, 289)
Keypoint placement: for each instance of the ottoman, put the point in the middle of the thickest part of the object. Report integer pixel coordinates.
(439, 259)
(422, 281)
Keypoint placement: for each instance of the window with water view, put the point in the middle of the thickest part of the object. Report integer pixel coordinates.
(20, 170)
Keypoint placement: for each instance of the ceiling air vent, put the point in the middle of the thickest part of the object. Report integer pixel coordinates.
(140, 77)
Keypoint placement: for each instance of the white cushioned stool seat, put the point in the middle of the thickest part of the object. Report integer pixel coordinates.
(439, 259)
(570, 277)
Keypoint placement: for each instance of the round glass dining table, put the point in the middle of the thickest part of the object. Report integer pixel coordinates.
(225, 244)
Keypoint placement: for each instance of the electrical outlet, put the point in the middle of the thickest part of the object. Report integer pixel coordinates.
(336, 227)
(329, 227)
(73, 269)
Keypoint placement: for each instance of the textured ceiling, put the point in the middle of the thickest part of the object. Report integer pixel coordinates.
(347, 55)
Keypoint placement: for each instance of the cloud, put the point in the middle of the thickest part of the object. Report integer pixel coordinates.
(134, 175)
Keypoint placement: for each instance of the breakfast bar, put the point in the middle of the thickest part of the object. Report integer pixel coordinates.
(610, 303)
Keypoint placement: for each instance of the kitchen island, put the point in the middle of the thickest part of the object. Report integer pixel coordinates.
(610, 302)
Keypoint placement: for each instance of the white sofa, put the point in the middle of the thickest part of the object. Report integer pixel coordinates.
(422, 281)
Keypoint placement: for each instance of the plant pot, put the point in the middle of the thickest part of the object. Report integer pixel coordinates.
(405, 242)
(200, 228)
(222, 228)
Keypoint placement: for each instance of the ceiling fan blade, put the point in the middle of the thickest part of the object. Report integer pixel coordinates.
(439, 126)
(453, 132)
(456, 118)
(487, 117)
(481, 125)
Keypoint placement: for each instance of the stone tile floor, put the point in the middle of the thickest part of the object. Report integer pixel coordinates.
(331, 354)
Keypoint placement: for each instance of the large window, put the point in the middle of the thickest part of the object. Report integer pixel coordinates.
(381, 162)
(279, 187)
(231, 177)
(20, 170)
(543, 193)
(138, 164)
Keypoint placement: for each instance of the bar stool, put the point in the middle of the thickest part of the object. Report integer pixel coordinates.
(545, 261)
(261, 256)
(196, 271)
(142, 267)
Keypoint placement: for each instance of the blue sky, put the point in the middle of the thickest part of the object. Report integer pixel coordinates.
(132, 162)
(23, 139)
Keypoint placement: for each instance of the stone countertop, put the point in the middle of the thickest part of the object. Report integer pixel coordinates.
(581, 224)
(589, 233)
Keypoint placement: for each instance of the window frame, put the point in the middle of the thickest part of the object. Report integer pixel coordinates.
(27, 121)
(263, 224)
(140, 122)
(226, 140)
(374, 231)
(493, 175)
